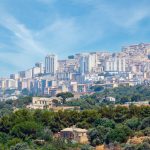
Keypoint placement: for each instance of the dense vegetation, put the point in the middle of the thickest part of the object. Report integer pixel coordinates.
(106, 123)
(6, 107)
(28, 129)
(122, 94)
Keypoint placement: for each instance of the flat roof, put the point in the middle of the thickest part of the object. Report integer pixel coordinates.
(74, 129)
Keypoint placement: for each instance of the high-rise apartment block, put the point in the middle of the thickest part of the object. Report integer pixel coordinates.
(87, 62)
(51, 64)
(115, 65)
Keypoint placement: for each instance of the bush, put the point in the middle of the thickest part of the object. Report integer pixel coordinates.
(46, 134)
(130, 147)
(97, 135)
(105, 122)
(119, 134)
(145, 123)
(132, 123)
(20, 146)
(143, 146)
(86, 147)
(13, 142)
(26, 128)
(146, 131)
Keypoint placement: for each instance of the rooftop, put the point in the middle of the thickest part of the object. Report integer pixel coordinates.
(74, 129)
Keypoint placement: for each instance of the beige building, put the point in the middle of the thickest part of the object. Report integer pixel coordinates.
(43, 102)
(77, 134)
(50, 104)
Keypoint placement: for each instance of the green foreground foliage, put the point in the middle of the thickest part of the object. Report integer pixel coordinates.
(28, 129)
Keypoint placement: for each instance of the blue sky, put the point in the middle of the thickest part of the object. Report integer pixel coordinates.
(30, 29)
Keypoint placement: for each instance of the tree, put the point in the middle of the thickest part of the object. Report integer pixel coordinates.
(86, 147)
(65, 95)
(25, 129)
(133, 111)
(13, 142)
(130, 147)
(83, 125)
(55, 102)
(108, 123)
(20, 146)
(143, 146)
(4, 138)
(121, 114)
(144, 111)
(145, 123)
(146, 131)
(25, 92)
(21, 116)
(119, 134)
(97, 135)
(136, 98)
(97, 88)
(5, 124)
(124, 99)
(133, 123)
(94, 137)
(46, 134)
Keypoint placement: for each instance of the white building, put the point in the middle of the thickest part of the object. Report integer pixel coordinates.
(36, 71)
(40, 65)
(110, 99)
(26, 83)
(28, 74)
(64, 76)
(93, 61)
(115, 65)
(2, 83)
(87, 62)
(10, 83)
(51, 64)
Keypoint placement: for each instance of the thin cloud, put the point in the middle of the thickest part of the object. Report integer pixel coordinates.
(66, 31)
(23, 36)
(28, 48)
(120, 13)
(66, 34)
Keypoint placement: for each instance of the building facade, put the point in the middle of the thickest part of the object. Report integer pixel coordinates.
(115, 65)
(77, 134)
(51, 64)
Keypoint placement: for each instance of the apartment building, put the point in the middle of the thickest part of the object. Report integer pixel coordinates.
(115, 65)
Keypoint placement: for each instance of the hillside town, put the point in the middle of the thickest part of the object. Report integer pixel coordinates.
(77, 73)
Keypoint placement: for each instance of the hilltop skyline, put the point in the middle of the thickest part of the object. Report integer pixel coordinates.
(31, 29)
